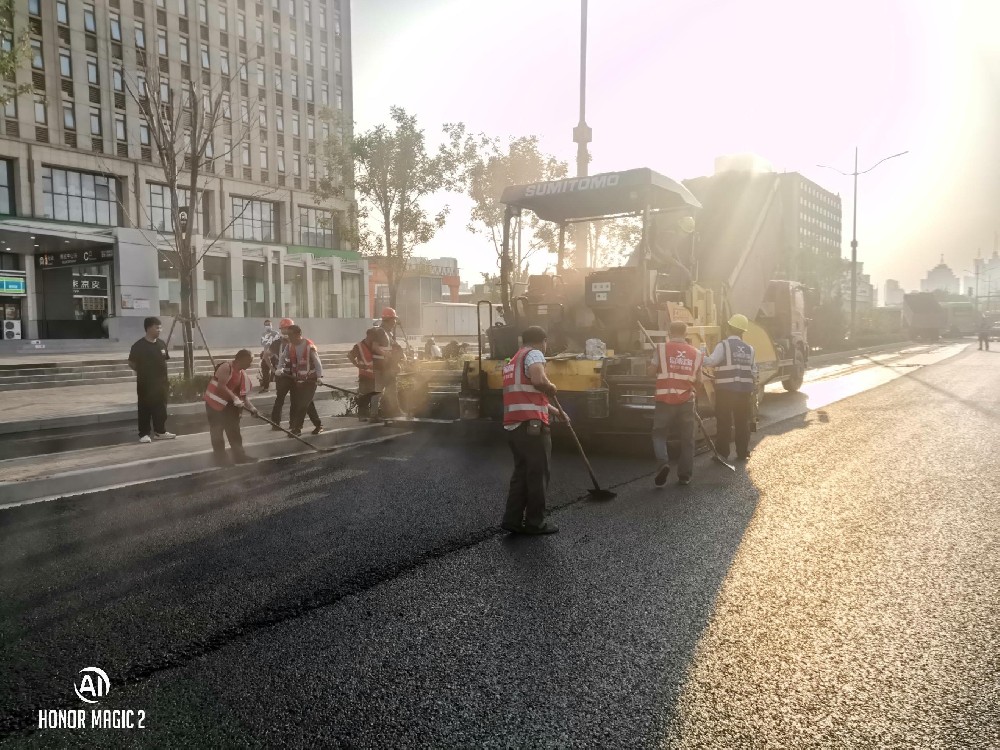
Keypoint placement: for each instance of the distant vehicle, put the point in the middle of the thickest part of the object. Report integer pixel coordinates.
(924, 319)
(962, 319)
(995, 332)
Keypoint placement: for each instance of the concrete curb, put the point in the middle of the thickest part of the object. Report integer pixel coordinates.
(150, 469)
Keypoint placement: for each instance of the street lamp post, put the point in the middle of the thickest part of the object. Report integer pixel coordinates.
(854, 229)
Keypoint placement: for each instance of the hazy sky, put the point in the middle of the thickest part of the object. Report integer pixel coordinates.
(674, 83)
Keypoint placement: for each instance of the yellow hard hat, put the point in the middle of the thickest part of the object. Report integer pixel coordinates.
(739, 322)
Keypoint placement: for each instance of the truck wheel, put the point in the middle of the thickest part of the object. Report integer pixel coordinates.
(794, 382)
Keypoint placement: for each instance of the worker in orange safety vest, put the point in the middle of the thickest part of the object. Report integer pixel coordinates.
(362, 357)
(228, 393)
(678, 370)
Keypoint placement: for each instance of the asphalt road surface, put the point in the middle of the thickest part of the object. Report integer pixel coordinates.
(840, 590)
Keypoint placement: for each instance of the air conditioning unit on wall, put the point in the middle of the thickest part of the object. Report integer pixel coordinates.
(11, 330)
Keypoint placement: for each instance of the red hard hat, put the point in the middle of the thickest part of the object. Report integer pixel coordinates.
(388, 312)
(286, 323)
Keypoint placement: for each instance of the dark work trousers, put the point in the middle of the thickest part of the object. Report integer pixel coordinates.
(532, 455)
(302, 403)
(675, 422)
(152, 407)
(387, 400)
(984, 341)
(732, 409)
(283, 384)
(267, 364)
(368, 398)
(226, 421)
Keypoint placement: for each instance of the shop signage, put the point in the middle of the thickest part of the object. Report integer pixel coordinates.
(75, 257)
(90, 286)
(13, 284)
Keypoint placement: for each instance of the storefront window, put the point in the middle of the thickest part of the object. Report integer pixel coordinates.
(80, 196)
(324, 302)
(170, 284)
(218, 288)
(294, 296)
(350, 284)
(254, 285)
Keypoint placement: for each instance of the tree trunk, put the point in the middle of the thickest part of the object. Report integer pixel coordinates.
(187, 331)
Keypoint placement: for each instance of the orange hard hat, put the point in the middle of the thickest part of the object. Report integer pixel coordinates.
(388, 312)
(286, 323)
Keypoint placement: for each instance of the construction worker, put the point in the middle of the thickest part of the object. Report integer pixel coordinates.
(270, 343)
(735, 382)
(361, 356)
(300, 364)
(388, 357)
(984, 333)
(284, 383)
(678, 370)
(526, 414)
(432, 350)
(228, 393)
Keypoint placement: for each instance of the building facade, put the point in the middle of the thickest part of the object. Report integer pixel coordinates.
(85, 213)
(893, 294)
(940, 279)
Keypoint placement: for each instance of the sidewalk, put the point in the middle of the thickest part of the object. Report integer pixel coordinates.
(41, 359)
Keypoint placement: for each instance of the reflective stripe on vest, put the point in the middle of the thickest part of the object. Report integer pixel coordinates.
(300, 370)
(237, 384)
(737, 373)
(367, 359)
(675, 381)
(521, 400)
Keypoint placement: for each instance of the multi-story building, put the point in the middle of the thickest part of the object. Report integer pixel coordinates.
(893, 294)
(866, 295)
(812, 230)
(940, 279)
(85, 214)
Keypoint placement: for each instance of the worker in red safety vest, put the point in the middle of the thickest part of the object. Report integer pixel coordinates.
(362, 357)
(228, 393)
(678, 370)
(284, 383)
(300, 363)
(388, 356)
(526, 416)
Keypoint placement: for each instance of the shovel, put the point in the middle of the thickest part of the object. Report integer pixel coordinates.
(596, 493)
(258, 415)
(711, 444)
(342, 390)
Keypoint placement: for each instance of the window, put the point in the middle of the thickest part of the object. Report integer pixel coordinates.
(182, 7)
(307, 11)
(10, 108)
(295, 124)
(161, 3)
(93, 77)
(185, 50)
(336, 61)
(245, 112)
(309, 90)
(164, 92)
(37, 60)
(324, 94)
(276, 38)
(311, 164)
(323, 56)
(241, 25)
(223, 20)
(217, 286)
(118, 80)
(340, 99)
(140, 35)
(41, 117)
(245, 154)
(89, 19)
(262, 118)
(79, 196)
(291, 8)
(62, 12)
(279, 121)
(294, 293)
(65, 64)
(160, 214)
(293, 44)
(296, 165)
(161, 41)
(243, 68)
(210, 148)
(95, 122)
(206, 59)
(316, 227)
(120, 129)
(202, 11)
(261, 80)
(308, 50)
(281, 161)
(263, 157)
(277, 80)
(6, 198)
(325, 130)
(260, 32)
(227, 109)
(293, 84)
(69, 116)
(253, 220)
(322, 17)
(310, 129)
(227, 151)
(224, 62)
(35, 7)
(144, 133)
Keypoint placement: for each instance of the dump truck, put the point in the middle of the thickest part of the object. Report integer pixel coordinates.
(924, 319)
(601, 322)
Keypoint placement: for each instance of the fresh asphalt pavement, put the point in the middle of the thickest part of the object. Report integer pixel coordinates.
(838, 591)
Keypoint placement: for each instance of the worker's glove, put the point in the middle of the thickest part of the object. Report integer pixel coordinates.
(564, 416)
(238, 403)
(254, 412)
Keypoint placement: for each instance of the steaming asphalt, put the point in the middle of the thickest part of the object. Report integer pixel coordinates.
(840, 590)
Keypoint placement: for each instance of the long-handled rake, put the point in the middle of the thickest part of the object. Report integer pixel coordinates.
(711, 444)
(260, 416)
(597, 493)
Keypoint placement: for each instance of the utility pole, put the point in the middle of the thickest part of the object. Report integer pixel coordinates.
(582, 135)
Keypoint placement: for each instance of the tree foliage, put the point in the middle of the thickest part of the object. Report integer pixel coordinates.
(14, 52)
(390, 172)
(612, 241)
(489, 165)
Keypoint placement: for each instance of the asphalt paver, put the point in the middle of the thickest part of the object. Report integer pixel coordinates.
(838, 591)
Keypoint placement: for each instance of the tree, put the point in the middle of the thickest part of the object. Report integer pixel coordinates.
(612, 241)
(184, 121)
(390, 173)
(488, 167)
(14, 51)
